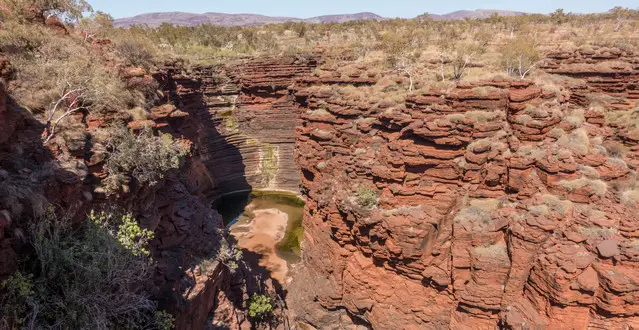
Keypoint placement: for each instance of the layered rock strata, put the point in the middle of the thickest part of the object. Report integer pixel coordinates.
(492, 204)
(246, 117)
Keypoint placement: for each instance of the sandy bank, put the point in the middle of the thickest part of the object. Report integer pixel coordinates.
(261, 235)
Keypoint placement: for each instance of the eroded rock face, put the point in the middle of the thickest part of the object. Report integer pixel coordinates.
(246, 119)
(609, 70)
(67, 174)
(497, 203)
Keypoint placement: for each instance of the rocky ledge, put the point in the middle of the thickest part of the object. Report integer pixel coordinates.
(496, 203)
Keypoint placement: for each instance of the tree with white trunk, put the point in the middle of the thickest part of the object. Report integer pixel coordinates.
(72, 100)
(520, 56)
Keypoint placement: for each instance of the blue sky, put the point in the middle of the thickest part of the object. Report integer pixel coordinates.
(387, 8)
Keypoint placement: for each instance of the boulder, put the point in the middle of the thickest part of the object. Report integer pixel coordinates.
(608, 248)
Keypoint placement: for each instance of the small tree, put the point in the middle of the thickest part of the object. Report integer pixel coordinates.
(29, 10)
(83, 87)
(559, 16)
(97, 23)
(402, 51)
(458, 52)
(519, 56)
(408, 69)
(514, 24)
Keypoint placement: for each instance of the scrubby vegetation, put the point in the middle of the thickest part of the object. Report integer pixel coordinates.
(144, 156)
(497, 251)
(477, 213)
(90, 276)
(366, 197)
(519, 56)
(56, 75)
(229, 256)
(260, 308)
(421, 50)
(598, 187)
(269, 163)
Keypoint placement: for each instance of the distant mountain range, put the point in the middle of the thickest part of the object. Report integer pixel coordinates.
(475, 14)
(189, 19)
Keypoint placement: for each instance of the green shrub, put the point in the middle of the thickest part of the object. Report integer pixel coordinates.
(229, 256)
(144, 156)
(135, 53)
(17, 38)
(164, 321)
(129, 234)
(17, 293)
(366, 197)
(87, 277)
(260, 307)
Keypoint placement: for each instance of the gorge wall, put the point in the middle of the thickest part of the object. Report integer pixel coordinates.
(246, 118)
(498, 203)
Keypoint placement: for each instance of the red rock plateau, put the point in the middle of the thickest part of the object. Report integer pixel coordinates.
(499, 203)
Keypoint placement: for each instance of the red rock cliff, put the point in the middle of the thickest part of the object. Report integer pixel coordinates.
(246, 120)
(498, 204)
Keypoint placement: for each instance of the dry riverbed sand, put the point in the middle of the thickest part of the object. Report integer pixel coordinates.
(260, 235)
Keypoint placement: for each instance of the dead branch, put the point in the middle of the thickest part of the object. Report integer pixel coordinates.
(75, 99)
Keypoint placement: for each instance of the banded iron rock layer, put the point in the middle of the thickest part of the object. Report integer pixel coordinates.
(246, 119)
(501, 203)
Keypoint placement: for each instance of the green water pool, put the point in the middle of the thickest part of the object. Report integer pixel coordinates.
(233, 208)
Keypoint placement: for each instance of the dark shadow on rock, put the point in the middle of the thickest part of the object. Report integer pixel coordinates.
(31, 181)
(201, 96)
(219, 170)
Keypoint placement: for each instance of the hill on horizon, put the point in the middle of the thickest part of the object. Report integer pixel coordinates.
(222, 19)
